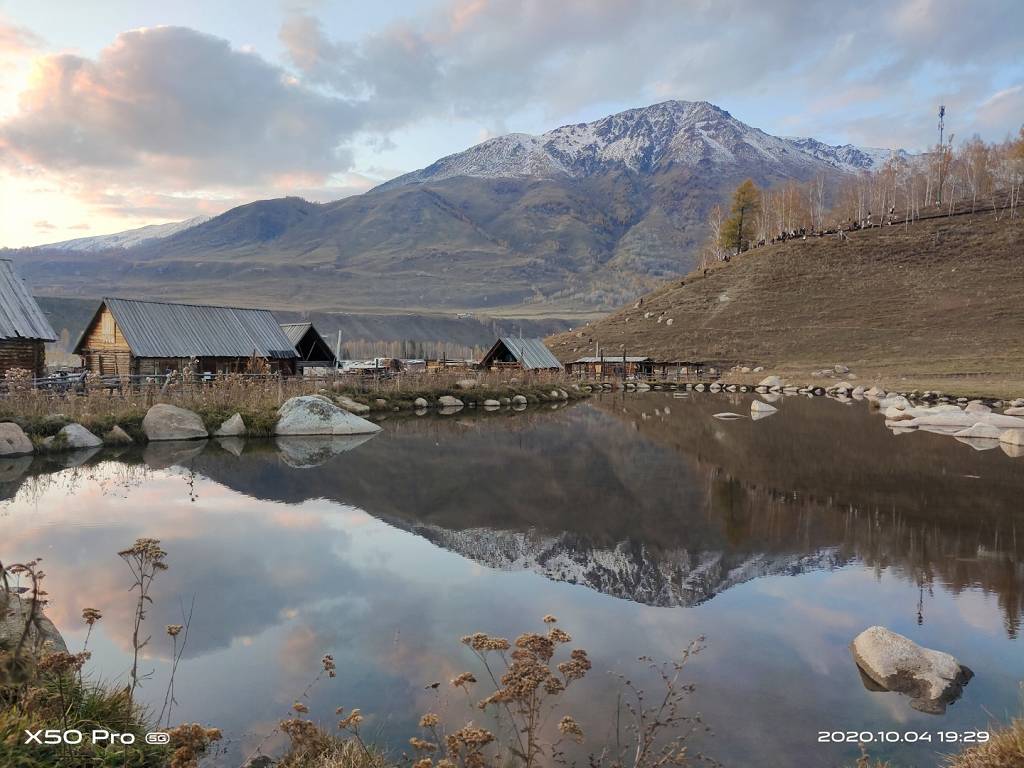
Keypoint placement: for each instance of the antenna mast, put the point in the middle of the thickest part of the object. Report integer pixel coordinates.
(942, 117)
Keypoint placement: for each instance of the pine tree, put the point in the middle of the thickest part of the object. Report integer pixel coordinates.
(738, 229)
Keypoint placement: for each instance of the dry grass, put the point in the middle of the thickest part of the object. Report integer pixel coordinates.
(1004, 750)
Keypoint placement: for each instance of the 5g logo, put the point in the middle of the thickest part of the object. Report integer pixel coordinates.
(158, 737)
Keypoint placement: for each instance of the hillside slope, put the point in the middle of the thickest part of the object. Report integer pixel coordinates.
(937, 299)
(573, 222)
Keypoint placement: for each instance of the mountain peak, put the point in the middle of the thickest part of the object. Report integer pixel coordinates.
(645, 140)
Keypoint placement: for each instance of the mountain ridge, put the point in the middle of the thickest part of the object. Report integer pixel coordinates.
(571, 223)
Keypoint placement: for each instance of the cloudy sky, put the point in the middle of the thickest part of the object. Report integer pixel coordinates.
(120, 113)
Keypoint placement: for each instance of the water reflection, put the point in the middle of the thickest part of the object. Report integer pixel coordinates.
(641, 521)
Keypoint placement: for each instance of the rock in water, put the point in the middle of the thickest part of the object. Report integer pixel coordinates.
(519, 400)
(980, 432)
(420, 402)
(13, 441)
(770, 381)
(490, 403)
(1012, 437)
(759, 406)
(73, 436)
(316, 415)
(117, 436)
(233, 427)
(932, 679)
(447, 401)
(169, 422)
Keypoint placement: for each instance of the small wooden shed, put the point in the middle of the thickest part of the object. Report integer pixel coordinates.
(524, 354)
(131, 337)
(24, 329)
(312, 350)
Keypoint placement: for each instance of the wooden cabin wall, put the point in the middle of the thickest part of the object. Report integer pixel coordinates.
(104, 349)
(26, 354)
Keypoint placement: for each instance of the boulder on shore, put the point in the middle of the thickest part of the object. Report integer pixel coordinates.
(893, 662)
(420, 402)
(447, 401)
(13, 441)
(169, 422)
(770, 381)
(519, 400)
(759, 406)
(233, 427)
(43, 635)
(72, 437)
(352, 406)
(980, 432)
(316, 415)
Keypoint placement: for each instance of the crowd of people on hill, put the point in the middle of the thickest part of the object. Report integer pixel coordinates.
(838, 230)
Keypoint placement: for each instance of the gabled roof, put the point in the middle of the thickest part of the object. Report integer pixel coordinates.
(295, 331)
(309, 344)
(529, 353)
(20, 315)
(161, 329)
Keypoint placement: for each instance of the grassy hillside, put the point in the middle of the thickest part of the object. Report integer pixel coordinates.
(936, 304)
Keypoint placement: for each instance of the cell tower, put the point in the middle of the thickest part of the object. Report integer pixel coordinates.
(942, 118)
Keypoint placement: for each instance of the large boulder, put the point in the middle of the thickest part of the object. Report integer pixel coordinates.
(233, 427)
(519, 400)
(893, 662)
(73, 437)
(447, 401)
(999, 420)
(169, 422)
(759, 406)
(770, 381)
(350, 405)
(316, 415)
(1015, 411)
(980, 432)
(13, 441)
(420, 402)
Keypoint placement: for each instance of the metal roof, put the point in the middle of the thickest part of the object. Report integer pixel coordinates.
(295, 331)
(20, 315)
(529, 353)
(160, 329)
(612, 359)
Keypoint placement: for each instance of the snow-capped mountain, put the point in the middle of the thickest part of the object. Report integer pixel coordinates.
(645, 140)
(628, 571)
(128, 238)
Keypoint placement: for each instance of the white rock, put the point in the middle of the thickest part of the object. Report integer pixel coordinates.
(73, 437)
(169, 422)
(1013, 451)
(896, 663)
(840, 368)
(977, 408)
(1015, 411)
(958, 419)
(858, 392)
(981, 431)
(447, 401)
(844, 386)
(759, 406)
(999, 420)
(715, 387)
(875, 391)
(491, 403)
(669, 321)
(745, 369)
(757, 369)
(1012, 437)
(233, 427)
(770, 381)
(13, 441)
(892, 413)
(519, 400)
(352, 406)
(420, 402)
(316, 415)
(1017, 403)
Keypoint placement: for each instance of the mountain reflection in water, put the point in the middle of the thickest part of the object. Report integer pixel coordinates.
(644, 498)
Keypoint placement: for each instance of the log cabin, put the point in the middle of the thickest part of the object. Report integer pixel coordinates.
(130, 337)
(24, 329)
(510, 352)
(312, 350)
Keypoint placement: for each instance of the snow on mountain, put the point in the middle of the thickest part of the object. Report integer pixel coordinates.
(644, 140)
(627, 571)
(128, 238)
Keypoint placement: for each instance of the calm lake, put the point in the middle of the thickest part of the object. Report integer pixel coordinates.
(640, 521)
